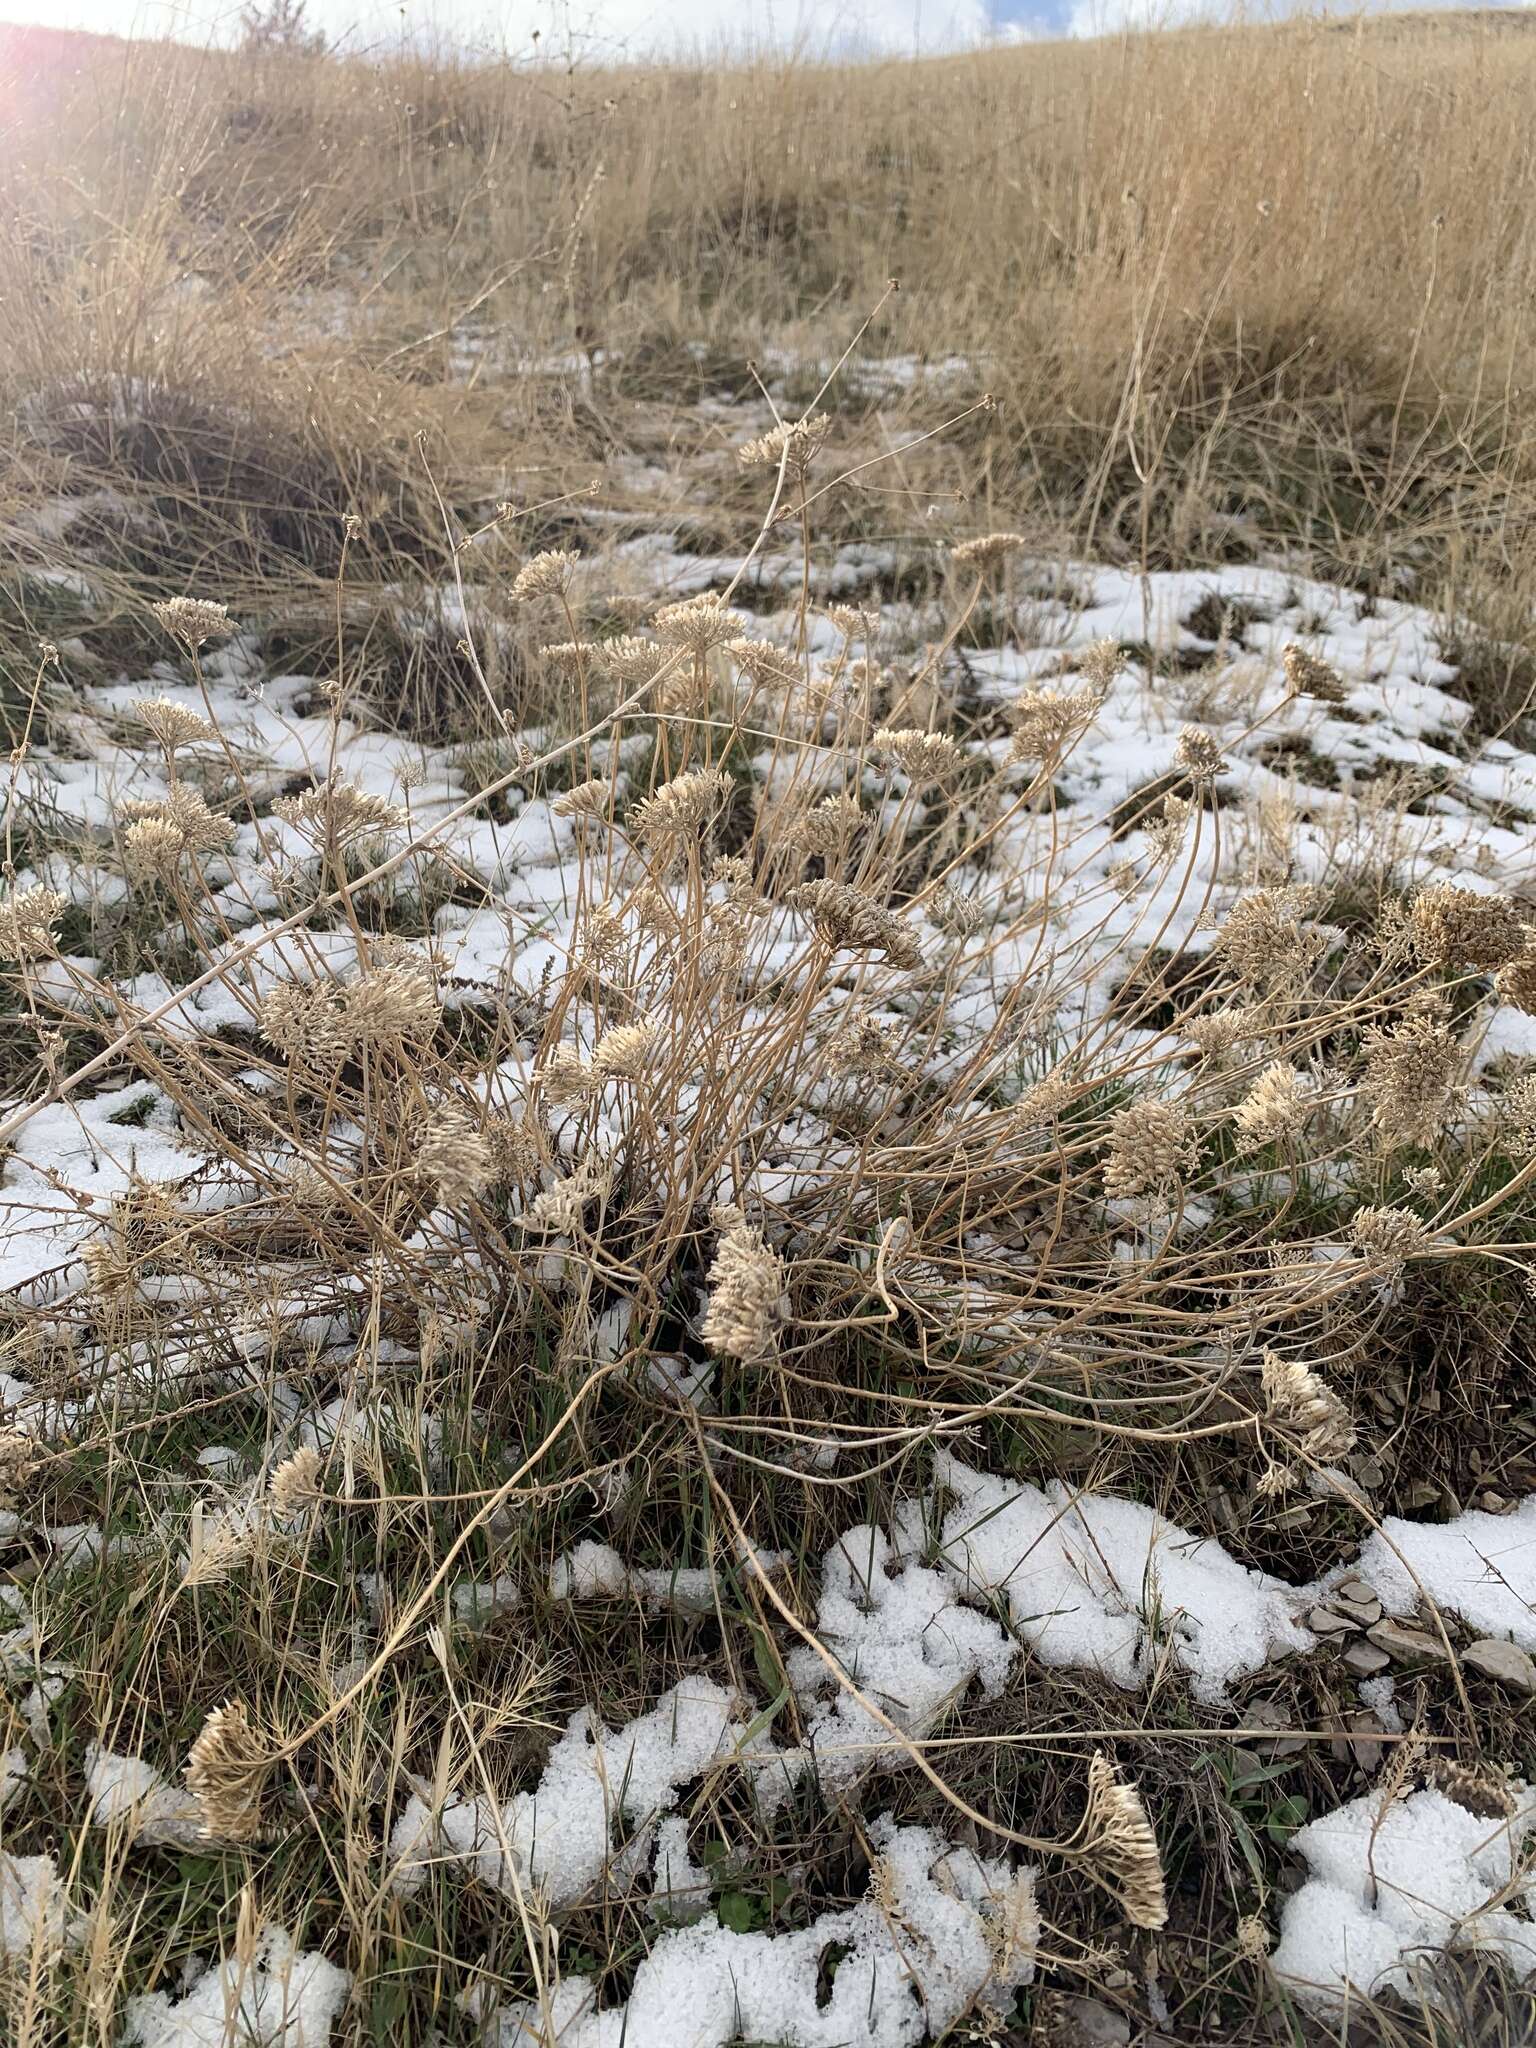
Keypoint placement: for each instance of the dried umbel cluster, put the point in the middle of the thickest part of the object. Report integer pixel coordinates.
(1308, 675)
(27, 923)
(1153, 1149)
(339, 811)
(1412, 1071)
(847, 918)
(317, 1024)
(1275, 1109)
(228, 1767)
(1116, 1841)
(748, 1301)
(1300, 1402)
(161, 834)
(795, 443)
(194, 621)
(1459, 928)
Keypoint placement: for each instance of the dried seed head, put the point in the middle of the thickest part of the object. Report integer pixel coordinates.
(700, 623)
(1100, 667)
(183, 828)
(545, 575)
(631, 659)
(1411, 1073)
(1297, 1399)
(586, 800)
(1516, 983)
(396, 1003)
(1152, 1147)
(1199, 756)
(574, 658)
(1480, 1789)
(295, 1484)
(1274, 1109)
(1264, 940)
(1308, 675)
(453, 1156)
(827, 828)
(680, 808)
(1165, 832)
(172, 725)
(1049, 723)
(194, 620)
(626, 1053)
(747, 1300)
(769, 667)
(303, 1020)
(849, 920)
(1451, 927)
(796, 443)
(1116, 1837)
(923, 757)
(1517, 1113)
(340, 811)
(18, 1461)
(1388, 1237)
(226, 1773)
(957, 916)
(986, 550)
(27, 922)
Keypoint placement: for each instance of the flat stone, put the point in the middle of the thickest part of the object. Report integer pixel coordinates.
(1093, 2024)
(1365, 1751)
(1422, 1494)
(1365, 1659)
(1505, 1662)
(1370, 1472)
(1298, 1517)
(1357, 1589)
(1362, 1612)
(1324, 1622)
(1407, 1645)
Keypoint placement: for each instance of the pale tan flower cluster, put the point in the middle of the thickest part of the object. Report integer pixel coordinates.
(1198, 755)
(1165, 832)
(545, 575)
(162, 832)
(631, 659)
(1274, 1110)
(986, 550)
(923, 757)
(795, 443)
(1517, 1113)
(769, 667)
(1299, 1400)
(1412, 1069)
(679, 809)
(700, 623)
(956, 915)
(1516, 983)
(1152, 1148)
(848, 919)
(295, 1484)
(1266, 941)
(826, 830)
(226, 1773)
(585, 800)
(1049, 723)
(748, 1302)
(1117, 1839)
(27, 922)
(1451, 927)
(1308, 675)
(318, 1024)
(171, 725)
(194, 620)
(453, 1156)
(1388, 1237)
(339, 811)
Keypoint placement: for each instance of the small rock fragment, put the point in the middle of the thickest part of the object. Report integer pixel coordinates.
(1324, 1621)
(1407, 1645)
(1505, 1662)
(1365, 1659)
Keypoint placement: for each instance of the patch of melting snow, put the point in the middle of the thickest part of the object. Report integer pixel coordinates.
(1392, 1883)
(276, 1997)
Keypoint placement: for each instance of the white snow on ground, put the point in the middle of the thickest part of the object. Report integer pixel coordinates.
(1392, 1883)
(950, 1929)
(277, 1997)
(35, 1921)
(1482, 1567)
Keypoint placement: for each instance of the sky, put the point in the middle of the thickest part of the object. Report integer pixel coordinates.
(606, 28)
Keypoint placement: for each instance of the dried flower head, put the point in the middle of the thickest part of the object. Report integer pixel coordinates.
(1479, 1788)
(1116, 1838)
(172, 725)
(679, 808)
(1165, 832)
(226, 1773)
(1388, 1237)
(631, 660)
(827, 828)
(1274, 1109)
(747, 1299)
(986, 550)
(1100, 666)
(1451, 927)
(700, 623)
(769, 667)
(194, 620)
(339, 811)
(453, 1157)
(1198, 755)
(1265, 940)
(956, 915)
(586, 800)
(1049, 723)
(1152, 1147)
(545, 575)
(1411, 1073)
(1308, 675)
(295, 1483)
(1516, 983)
(27, 922)
(626, 1053)
(923, 757)
(1297, 1399)
(849, 920)
(573, 659)
(1517, 1113)
(795, 443)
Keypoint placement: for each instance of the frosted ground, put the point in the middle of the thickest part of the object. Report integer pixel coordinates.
(891, 1638)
